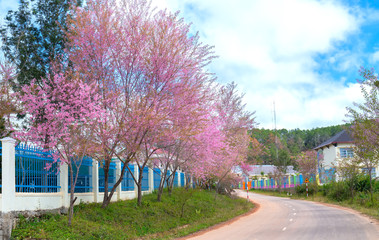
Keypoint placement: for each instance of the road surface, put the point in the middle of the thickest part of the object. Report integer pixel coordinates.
(283, 218)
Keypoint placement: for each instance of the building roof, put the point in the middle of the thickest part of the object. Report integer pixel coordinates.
(341, 137)
(266, 169)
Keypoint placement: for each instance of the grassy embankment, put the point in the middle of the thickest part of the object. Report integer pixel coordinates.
(180, 214)
(361, 201)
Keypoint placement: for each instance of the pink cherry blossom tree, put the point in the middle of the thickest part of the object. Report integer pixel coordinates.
(61, 114)
(307, 162)
(235, 123)
(143, 61)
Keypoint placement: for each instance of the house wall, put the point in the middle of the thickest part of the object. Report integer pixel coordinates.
(332, 154)
(339, 146)
(329, 156)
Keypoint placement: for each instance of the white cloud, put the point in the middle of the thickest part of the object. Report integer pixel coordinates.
(268, 47)
(375, 57)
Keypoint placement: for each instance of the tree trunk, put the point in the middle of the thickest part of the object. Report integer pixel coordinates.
(160, 189)
(139, 188)
(106, 199)
(71, 207)
(371, 190)
(170, 182)
(187, 182)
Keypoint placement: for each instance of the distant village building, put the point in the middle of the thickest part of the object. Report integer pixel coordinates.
(337, 148)
(264, 171)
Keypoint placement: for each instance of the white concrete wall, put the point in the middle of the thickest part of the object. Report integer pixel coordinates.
(329, 156)
(37, 201)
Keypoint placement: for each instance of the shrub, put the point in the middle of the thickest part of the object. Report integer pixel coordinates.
(363, 183)
(339, 191)
(301, 189)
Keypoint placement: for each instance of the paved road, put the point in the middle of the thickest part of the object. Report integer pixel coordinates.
(283, 218)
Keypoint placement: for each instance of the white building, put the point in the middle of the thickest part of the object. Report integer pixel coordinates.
(335, 149)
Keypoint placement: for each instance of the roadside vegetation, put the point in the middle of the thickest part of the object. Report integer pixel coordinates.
(179, 214)
(339, 193)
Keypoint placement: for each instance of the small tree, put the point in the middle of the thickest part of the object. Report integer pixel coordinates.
(8, 103)
(62, 113)
(307, 163)
(278, 175)
(348, 170)
(365, 123)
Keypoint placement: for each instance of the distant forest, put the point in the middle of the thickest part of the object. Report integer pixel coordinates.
(289, 143)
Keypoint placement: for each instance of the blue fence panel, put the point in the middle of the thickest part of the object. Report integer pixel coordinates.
(182, 179)
(167, 176)
(301, 179)
(127, 183)
(145, 179)
(262, 183)
(111, 177)
(176, 178)
(32, 174)
(285, 182)
(84, 181)
(292, 181)
(157, 177)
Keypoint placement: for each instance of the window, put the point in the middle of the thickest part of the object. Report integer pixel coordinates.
(346, 152)
(366, 171)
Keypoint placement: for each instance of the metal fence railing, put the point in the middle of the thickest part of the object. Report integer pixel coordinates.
(32, 171)
(182, 179)
(84, 181)
(111, 177)
(127, 183)
(145, 179)
(176, 178)
(157, 178)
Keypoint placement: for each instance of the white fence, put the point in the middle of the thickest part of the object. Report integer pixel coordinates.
(11, 200)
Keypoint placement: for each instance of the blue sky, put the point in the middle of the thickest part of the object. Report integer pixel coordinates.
(302, 54)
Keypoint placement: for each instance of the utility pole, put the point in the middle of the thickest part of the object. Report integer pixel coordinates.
(276, 140)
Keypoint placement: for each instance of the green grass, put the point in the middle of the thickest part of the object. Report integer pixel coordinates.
(180, 214)
(360, 203)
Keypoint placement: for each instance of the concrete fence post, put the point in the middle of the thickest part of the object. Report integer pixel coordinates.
(136, 171)
(8, 174)
(95, 180)
(151, 180)
(179, 179)
(63, 180)
(118, 175)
